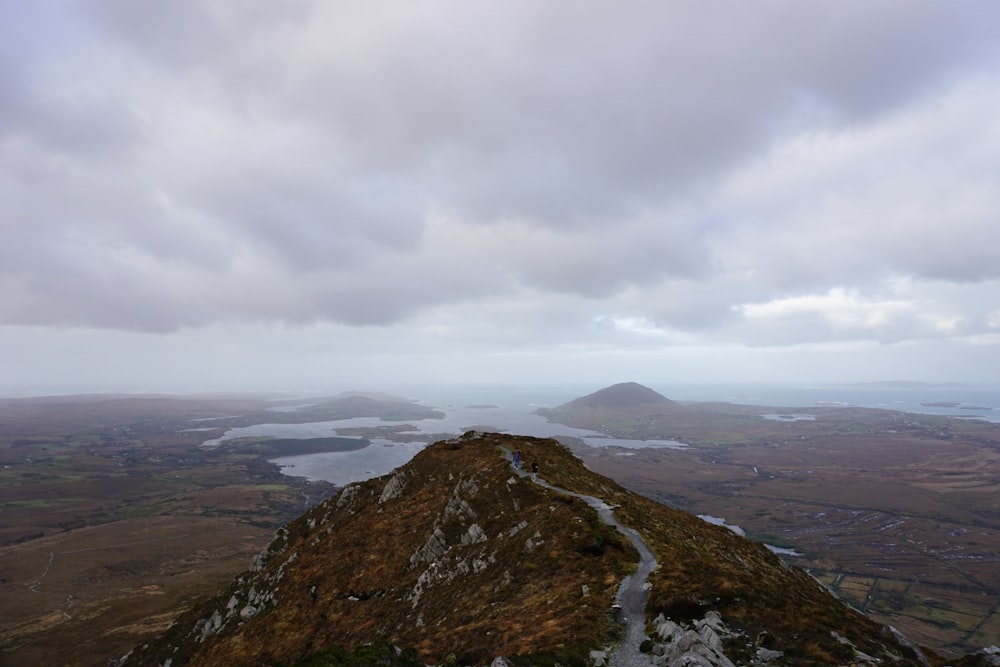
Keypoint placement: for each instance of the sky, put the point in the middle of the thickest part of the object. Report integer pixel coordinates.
(203, 195)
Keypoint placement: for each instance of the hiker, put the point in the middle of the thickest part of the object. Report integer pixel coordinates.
(517, 459)
(534, 470)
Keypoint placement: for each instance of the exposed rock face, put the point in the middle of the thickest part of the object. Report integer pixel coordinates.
(700, 645)
(394, 488)
(453, 555)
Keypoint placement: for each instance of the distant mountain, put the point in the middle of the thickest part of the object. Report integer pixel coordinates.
(626, 400)
(622, 395)
(343, 406)
(374, 395)
(457, 558)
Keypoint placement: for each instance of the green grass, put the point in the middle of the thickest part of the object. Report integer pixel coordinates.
(265, 488)
(38, 503)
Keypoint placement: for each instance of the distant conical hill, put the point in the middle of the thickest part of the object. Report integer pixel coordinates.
(622, 395)
(623, 400)
(457, 558)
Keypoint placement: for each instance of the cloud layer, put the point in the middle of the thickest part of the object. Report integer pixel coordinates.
(511, 174)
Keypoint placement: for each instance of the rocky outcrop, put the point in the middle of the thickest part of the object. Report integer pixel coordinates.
(698, 645)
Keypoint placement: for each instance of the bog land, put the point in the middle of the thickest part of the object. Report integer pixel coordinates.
(115, 517)
(898, 513)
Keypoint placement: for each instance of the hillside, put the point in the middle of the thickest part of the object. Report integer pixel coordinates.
(621, 395)
(625, 400)
(456, 557)
(116, 515)
(885, 507)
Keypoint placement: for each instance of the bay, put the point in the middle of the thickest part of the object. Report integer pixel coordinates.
(509, 409)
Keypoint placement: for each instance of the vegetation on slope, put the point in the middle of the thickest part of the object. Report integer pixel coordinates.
(459, 559)
(537, 574)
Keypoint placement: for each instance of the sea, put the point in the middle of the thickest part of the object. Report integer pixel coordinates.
(510, 409)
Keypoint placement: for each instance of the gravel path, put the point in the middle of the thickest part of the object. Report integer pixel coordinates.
(632, 594)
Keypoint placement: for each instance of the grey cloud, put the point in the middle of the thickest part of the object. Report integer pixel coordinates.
(622, 255)
(52, 94)
(316, 223)
(596, 112)
(275, 161)
(191, 33)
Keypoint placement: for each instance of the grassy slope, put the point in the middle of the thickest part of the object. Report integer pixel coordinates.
(356, 554)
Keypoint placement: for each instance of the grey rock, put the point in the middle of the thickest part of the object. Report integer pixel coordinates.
(394, 488)
(765, 655)
(473, 535)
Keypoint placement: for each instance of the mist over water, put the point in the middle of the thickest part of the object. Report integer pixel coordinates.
(969, 401)
(965, 401)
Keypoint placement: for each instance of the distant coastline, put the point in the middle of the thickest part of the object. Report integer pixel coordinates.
(898, 384)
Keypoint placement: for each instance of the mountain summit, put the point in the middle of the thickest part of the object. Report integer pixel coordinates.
(622, 395)
(459, 558)
(629, 399)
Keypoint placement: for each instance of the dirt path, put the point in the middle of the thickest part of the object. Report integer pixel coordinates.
(632, 593)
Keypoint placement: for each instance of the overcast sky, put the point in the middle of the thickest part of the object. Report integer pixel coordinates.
(249, 194)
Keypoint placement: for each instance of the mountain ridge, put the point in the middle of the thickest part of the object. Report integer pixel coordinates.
(455, 556)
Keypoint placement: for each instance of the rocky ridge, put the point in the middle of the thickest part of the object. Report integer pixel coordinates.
(460, 560)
